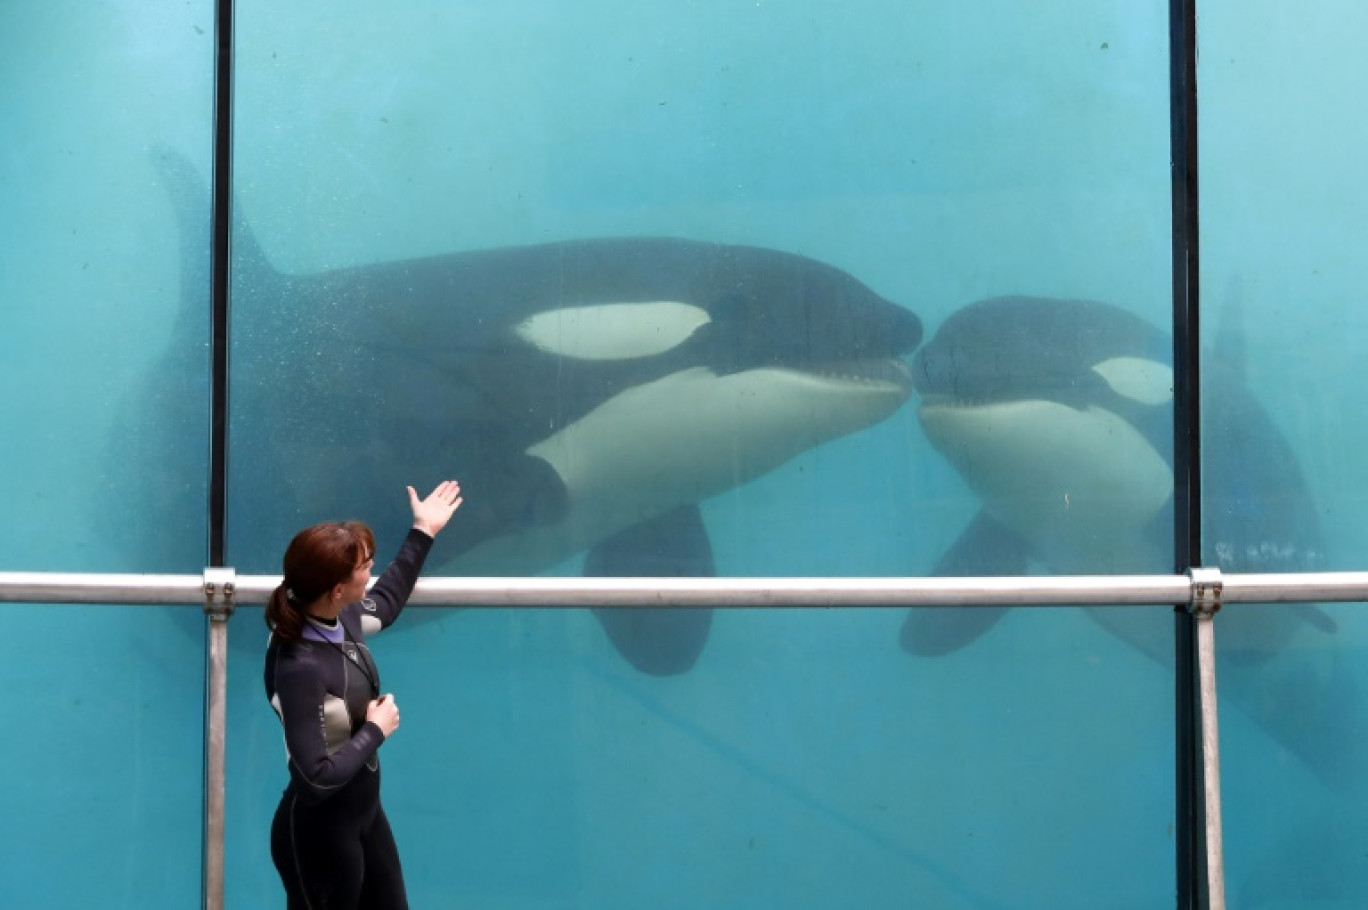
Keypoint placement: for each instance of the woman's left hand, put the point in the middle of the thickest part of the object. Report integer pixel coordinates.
(431, 515)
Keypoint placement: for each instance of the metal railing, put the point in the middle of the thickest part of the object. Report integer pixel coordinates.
(1069, 590)
(218, 591)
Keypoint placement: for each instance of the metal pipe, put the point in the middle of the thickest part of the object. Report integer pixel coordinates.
(215, 762)
(66, 587)
(1208, 594)
(1075, 590)
(804, 592)
(217, 588)
(1211, 760)
(1302, 587)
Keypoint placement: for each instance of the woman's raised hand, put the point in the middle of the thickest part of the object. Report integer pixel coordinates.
(432, 514)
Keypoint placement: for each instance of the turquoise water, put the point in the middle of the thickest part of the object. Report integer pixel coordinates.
(939, 155)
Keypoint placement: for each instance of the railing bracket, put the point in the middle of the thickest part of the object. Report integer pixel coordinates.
(1207, 588)
(219, 587)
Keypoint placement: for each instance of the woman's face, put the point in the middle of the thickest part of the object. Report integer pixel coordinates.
(354, 588)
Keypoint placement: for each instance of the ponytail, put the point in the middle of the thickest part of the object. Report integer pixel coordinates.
(283, 617)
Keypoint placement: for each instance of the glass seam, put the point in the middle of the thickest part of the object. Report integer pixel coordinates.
(1189, 804)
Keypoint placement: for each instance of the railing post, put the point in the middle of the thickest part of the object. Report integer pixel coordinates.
(218, 607)
(1207, 589)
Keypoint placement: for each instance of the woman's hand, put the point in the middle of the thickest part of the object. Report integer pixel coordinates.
(431, 515)
(384, 713)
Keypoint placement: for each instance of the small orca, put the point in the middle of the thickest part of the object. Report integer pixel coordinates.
(588, 394)
(1058, 414)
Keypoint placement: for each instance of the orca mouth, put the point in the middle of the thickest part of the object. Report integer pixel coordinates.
(941, 400)
(886, 371)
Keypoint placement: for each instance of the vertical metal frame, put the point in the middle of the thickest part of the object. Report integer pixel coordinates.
(218, 585)
(1207, 592)
(1196, 778)
(221, 240)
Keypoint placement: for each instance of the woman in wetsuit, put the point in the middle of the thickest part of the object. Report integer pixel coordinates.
(330, 839)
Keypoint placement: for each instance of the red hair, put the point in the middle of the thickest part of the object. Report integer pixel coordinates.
(318, 558)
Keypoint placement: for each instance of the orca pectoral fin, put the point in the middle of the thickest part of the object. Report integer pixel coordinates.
(985, 548)
(505, 493)
(1318, 618)
(664, 641)
(935, 631)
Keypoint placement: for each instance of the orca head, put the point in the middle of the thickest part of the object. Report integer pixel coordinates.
(753, 332)
(535, 338)
(756, 358)
(1058, 414)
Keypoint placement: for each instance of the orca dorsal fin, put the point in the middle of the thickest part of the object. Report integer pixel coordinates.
(191, 199)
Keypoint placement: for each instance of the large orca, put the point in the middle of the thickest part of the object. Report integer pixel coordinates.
(1058, 414)
(588, 394)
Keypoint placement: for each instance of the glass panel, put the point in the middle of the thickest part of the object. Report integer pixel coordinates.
(608, 265)
(1282, 211)
(105, 763)
(102, 379)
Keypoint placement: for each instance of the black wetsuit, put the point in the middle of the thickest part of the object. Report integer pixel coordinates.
(330, 839)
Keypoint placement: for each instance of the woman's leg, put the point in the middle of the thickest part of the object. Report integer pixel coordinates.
(383, 887)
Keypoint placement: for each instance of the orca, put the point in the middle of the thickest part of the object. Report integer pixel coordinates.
(1058, 414)
(587, 393)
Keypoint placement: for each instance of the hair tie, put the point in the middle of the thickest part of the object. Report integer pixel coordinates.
(290, 595)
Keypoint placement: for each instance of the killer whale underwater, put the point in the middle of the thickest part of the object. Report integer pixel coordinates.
(587, 393)
(1058, 414)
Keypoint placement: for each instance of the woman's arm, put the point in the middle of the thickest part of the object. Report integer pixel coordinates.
(389, 595)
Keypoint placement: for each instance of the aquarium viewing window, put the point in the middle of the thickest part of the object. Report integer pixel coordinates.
(784, 353)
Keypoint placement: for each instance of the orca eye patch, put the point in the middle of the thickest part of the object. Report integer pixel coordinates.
(613, 331)
(1146, 381)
